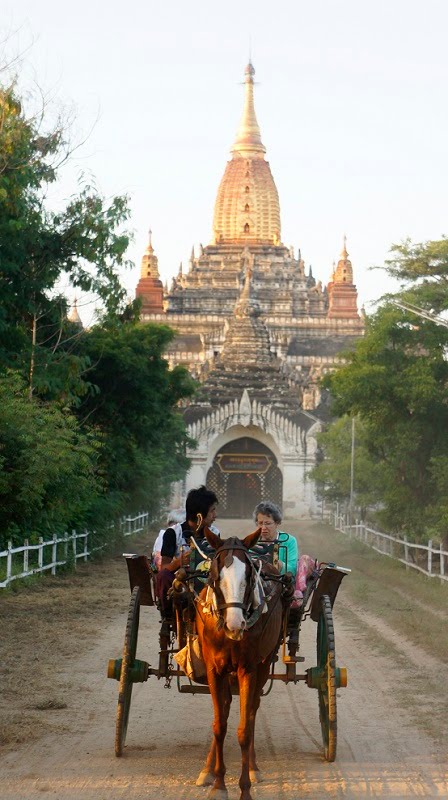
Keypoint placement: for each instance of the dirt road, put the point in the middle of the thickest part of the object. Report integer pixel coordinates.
(384, 747)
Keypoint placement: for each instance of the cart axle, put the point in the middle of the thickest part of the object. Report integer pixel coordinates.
(316, 676)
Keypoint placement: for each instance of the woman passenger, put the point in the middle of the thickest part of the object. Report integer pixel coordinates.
(268, 517)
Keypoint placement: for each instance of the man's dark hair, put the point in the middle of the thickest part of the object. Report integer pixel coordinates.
(199, 501)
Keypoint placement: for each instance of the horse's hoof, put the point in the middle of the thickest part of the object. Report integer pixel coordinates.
(218, 794)
(205, 778)
(255, 776)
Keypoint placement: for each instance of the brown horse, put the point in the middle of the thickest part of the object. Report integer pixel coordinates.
(239, 623)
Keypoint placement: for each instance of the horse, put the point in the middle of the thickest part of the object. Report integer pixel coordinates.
(239, 625)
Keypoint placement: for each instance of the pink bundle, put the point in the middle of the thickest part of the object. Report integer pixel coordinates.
(305, 569)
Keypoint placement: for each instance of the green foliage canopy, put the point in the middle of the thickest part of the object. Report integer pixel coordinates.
(396, 382)
(89, 425)
(332, 473)
(82, 243)
(48, 472)
(135, 407)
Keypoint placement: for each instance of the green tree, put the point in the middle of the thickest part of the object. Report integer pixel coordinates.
(134, 403)
(82, 243)
(48, 472)
(332, 473)
(422, 270)
(97, 430)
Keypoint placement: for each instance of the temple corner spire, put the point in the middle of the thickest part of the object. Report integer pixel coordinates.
(150, 287)
(342, 294)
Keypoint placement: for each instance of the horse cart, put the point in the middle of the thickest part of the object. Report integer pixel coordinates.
(318, 600)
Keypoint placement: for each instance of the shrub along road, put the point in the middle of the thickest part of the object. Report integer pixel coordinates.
(58, 708)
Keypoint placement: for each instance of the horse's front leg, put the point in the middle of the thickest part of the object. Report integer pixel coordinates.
(254, 772)
(262, 676)
(221, 697)
(247, 684)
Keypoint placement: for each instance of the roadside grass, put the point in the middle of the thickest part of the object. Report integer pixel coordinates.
(428, 716)
(414, 605)
(46, 622)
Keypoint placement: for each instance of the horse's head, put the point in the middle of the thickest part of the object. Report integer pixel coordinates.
(233, 579)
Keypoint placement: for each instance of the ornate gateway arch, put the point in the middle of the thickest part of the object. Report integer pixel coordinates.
(250, 448)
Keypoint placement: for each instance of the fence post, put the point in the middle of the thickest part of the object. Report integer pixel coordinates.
(430, 557)
(54, 555)
(86, 539)
(66, 547)
(442, 561)
(26, 555)
(406, 551)
(74, 548)
(40, 554)
(9, 563)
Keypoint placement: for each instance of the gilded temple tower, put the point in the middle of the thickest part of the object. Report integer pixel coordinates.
(247, 209)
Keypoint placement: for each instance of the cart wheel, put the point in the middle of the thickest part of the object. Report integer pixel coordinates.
(326, 661)
(125, 690)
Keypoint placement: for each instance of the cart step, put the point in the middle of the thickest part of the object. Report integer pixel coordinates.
(189, 689)
(293, 659)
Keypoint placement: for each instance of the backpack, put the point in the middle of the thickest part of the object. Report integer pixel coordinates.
(157, 548)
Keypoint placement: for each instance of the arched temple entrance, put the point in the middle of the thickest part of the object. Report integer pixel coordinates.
(243, 473)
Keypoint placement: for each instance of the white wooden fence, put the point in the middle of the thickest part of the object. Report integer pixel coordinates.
(58, 551)
(427, 558)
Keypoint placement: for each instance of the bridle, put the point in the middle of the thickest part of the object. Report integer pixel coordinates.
(233, 545)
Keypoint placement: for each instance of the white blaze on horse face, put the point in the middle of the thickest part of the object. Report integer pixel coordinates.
(232, 582)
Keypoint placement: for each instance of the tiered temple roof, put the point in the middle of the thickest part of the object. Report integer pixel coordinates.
(247, 312)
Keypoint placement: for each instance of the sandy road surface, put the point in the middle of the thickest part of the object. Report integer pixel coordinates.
(381, 752)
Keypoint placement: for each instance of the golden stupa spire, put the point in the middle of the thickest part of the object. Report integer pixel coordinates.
(248, 139)
(150, 263)
(343, 272)
(149, 249)
(74, 315)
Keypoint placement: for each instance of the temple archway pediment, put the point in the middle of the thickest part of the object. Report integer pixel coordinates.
(238, 432)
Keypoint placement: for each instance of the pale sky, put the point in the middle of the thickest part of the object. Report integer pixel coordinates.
(351, 101)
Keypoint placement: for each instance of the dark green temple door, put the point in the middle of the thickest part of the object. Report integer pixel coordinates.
(244, 472)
